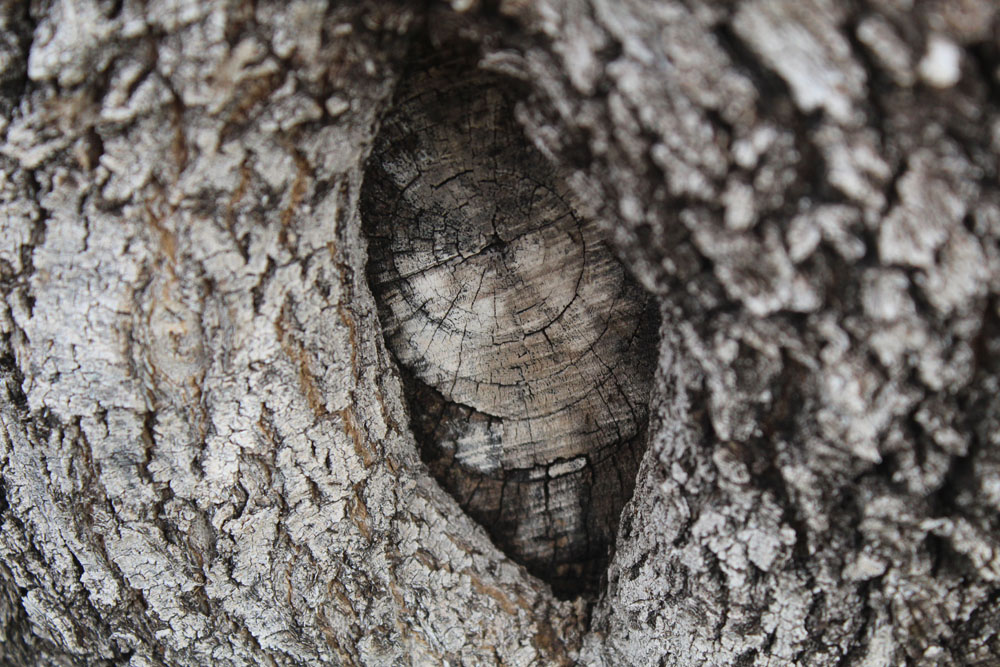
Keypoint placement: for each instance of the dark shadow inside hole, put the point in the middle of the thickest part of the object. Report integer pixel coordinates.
(526, 350)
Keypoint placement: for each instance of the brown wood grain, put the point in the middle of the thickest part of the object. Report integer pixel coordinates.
(527, 351)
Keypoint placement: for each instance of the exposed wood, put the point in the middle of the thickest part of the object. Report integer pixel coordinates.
(528, 352)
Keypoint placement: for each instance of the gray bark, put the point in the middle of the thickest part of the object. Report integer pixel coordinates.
(206, 454)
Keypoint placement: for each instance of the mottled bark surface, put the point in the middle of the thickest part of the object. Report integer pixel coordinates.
(205, 450)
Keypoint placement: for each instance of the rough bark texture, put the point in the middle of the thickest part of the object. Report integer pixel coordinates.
(205, 454)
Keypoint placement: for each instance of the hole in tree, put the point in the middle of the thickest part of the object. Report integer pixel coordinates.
(525, 349)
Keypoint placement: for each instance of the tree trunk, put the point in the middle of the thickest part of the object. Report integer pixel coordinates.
(206, 452)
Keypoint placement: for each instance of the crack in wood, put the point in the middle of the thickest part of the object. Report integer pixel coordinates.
(525, 349)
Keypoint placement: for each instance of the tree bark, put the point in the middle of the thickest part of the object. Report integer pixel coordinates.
(206, 454)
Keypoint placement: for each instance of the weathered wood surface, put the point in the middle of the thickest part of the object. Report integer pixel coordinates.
(528, 352)
(204, 451)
